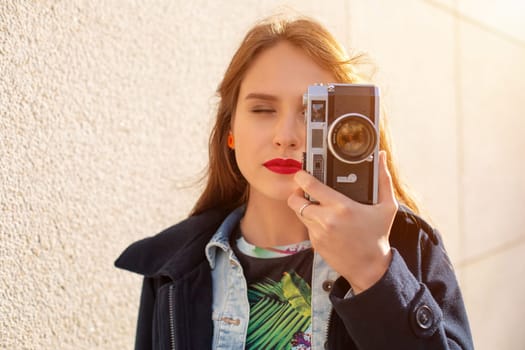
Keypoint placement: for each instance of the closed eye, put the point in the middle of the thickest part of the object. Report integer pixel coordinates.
(262, 110)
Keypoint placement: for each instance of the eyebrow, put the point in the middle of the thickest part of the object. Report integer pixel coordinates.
(261, 96)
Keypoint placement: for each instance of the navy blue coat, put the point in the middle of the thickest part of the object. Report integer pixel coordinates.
(417, 304)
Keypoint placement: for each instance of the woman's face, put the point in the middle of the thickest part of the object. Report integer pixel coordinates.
(268, 125)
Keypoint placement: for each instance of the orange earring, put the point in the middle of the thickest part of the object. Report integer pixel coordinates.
(230, 141)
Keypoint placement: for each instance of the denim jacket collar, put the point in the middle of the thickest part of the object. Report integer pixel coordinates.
(220, 240)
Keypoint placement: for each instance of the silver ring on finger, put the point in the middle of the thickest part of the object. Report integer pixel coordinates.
(303, 208)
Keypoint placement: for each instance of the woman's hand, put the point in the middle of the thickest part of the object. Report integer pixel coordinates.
(350, 236)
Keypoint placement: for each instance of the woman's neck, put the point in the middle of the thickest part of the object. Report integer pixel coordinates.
(270, 223)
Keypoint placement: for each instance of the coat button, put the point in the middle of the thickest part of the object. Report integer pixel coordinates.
(424, 317)
(328, 285)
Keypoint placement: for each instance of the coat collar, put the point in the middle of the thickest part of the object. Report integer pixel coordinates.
(182, 247)
(173, 251)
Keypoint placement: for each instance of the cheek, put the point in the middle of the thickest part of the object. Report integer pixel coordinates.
(247, 146)
(249, 135)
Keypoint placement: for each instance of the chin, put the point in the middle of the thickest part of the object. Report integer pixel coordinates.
(281, 193)
(277, 192)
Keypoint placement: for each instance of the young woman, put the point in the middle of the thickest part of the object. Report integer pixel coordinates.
(256, 265)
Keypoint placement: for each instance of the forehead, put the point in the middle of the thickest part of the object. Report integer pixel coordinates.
(283, 70)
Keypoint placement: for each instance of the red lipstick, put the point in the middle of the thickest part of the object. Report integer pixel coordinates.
(283, 166)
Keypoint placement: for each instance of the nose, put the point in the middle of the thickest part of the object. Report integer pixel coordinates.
(289, 131)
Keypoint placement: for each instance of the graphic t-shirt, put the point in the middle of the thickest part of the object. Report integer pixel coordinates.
(279, 294)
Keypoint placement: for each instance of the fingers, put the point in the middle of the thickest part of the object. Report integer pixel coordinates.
(298, 203)
(318, 190)
(329, 197)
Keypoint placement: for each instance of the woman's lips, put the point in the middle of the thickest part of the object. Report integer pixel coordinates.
(283, 166)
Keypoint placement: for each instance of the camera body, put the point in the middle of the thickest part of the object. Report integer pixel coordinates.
(342, 138)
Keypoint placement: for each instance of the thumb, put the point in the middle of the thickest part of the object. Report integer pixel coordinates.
(386, 188)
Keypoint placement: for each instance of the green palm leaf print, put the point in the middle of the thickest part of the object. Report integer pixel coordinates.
(278, 310)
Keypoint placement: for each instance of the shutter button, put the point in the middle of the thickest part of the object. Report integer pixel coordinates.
(424, 317)
(327, 285)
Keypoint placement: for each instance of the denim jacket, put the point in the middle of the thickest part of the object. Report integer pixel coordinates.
(194, 292)
(230, 308)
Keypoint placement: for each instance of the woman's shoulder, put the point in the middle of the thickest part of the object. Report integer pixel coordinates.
(410, 229)
(148, 256)
(422, 248)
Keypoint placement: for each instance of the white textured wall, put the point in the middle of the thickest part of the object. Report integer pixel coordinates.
(105, 108)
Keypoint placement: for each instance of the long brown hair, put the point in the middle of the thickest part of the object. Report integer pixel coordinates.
(226, 188)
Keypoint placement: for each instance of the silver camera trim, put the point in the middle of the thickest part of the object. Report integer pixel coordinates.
(319, 93)
(331, 131)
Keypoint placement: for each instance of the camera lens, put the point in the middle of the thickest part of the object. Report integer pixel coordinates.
(352, 138)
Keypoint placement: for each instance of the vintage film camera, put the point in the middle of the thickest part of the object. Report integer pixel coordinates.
(342, 138)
